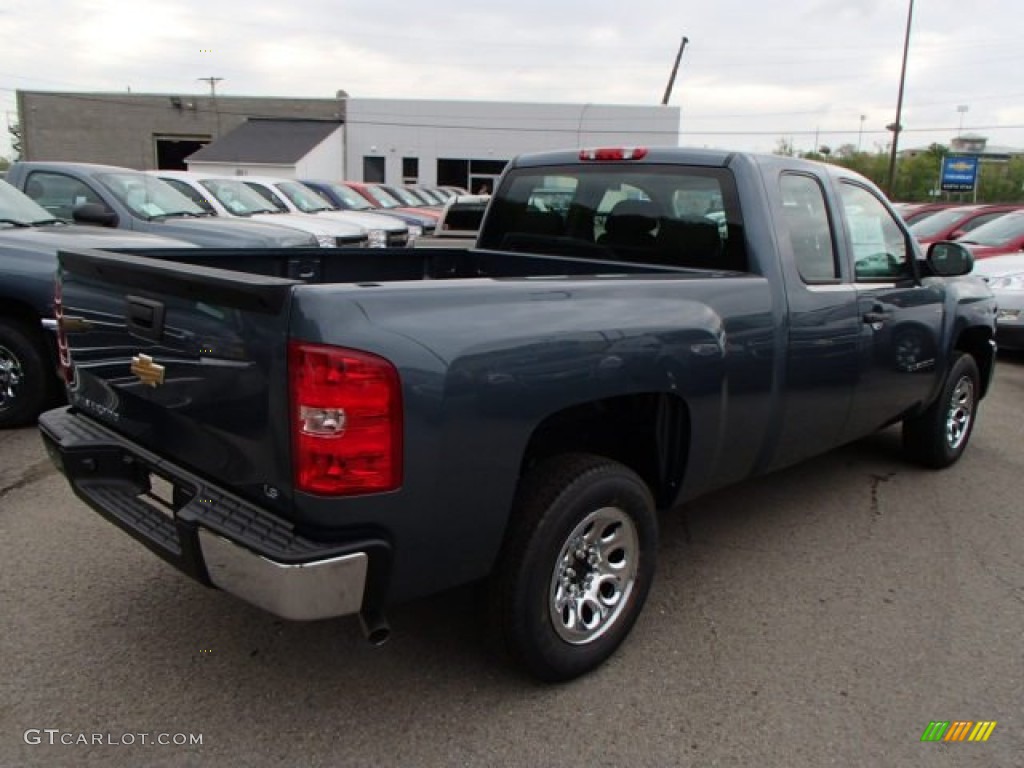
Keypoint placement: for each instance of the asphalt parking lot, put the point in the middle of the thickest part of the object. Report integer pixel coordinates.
(824, 615)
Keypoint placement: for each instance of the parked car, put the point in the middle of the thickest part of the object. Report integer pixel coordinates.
(923, 210)
(380, 197)
(461, 216)
(955, 222)
(229, 196)
(386, 428)
(296, 197)
(429, 196)
(1003, 235)
(1005, 277)
(410, 198)
(29, 240)
(123, 198)
(345, 198)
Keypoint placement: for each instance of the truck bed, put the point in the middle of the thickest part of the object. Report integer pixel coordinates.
(357, 265)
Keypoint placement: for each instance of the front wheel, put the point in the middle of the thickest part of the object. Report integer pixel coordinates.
(576, 567)
(939, 436)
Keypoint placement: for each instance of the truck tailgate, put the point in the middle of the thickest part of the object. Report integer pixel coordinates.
(187, 361)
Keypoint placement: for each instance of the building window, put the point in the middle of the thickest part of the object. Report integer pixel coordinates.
(410, 170)
(373, 169)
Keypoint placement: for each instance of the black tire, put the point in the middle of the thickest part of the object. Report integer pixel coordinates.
(938, 436)
(583, 535)
(26, 383)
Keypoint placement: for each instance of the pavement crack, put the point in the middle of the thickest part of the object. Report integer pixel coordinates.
(31, 474)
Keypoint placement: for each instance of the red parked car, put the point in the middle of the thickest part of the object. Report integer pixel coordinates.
(924, 210)
(381, 198)
(1003, 235)
(951, 223)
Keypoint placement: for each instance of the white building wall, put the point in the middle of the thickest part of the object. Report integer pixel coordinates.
(242, 169)
(428, 130)
(326, 160)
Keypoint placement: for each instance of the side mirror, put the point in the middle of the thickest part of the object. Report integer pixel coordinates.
(948, 259)
(94, 213)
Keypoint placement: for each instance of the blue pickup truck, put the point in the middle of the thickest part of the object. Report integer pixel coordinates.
(330, 433)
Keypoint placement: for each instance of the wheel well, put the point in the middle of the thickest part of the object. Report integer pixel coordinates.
(649, 433)
(975, 342)
(18, 310)
(23, 313)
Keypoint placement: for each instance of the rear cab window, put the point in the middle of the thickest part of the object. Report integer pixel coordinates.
(806, 219)
(671, 215)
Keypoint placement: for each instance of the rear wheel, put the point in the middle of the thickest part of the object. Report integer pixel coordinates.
(25, 383)
(938, 437)
(576, 566)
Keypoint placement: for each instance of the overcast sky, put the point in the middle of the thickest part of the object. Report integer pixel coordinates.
(752, 73)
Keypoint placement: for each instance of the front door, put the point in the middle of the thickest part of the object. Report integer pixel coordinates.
(901, 319)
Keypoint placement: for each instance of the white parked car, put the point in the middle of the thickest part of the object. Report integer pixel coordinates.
(228, 196)
(1005, 276)
(296, 197)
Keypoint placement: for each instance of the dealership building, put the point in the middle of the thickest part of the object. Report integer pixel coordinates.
(459, 143)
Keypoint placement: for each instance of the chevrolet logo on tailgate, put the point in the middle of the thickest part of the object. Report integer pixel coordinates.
(151, 374)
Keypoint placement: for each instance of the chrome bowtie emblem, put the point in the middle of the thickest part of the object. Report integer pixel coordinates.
(151, 374)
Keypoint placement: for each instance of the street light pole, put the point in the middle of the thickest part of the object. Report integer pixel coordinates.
(896, 127)
(860, 132)
(962, 109)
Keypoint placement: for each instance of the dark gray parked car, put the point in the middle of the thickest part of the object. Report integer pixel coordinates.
(126, 199)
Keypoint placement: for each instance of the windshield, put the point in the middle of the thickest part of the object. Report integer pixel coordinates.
(304, 198)
(938, 222)
(349, 198)
(429, 195)
(239, 199)
(382, 196)
(149, 197)
(407, 197)
(18, 208)
(997, 232)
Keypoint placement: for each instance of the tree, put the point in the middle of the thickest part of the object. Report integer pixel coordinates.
(15, 130)
(784, 146)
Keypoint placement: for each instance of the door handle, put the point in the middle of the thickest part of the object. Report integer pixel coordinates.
(876, 316)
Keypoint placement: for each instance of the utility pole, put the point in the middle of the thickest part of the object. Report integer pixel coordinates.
(896, 127)
(213, 84)
(860, 132)
(675, 69)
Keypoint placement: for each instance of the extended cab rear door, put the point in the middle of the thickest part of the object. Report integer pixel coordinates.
(901, 319)
(822, 358)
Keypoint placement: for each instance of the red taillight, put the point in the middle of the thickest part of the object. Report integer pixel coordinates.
(346, 420)
(63, 353)
(613, 153)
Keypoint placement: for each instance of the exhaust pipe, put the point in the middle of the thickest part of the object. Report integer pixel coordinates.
(376, 629)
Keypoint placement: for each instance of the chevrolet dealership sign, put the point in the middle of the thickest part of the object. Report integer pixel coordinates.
(959, 173)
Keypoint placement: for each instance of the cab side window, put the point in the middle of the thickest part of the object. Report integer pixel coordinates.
(880, 248)
(59, 194)
(810, 232)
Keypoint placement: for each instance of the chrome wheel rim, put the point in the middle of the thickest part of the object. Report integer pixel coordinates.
(11, 376)
(594, 575)
(961, 411)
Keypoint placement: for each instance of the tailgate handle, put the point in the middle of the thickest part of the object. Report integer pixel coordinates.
(145, 317)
